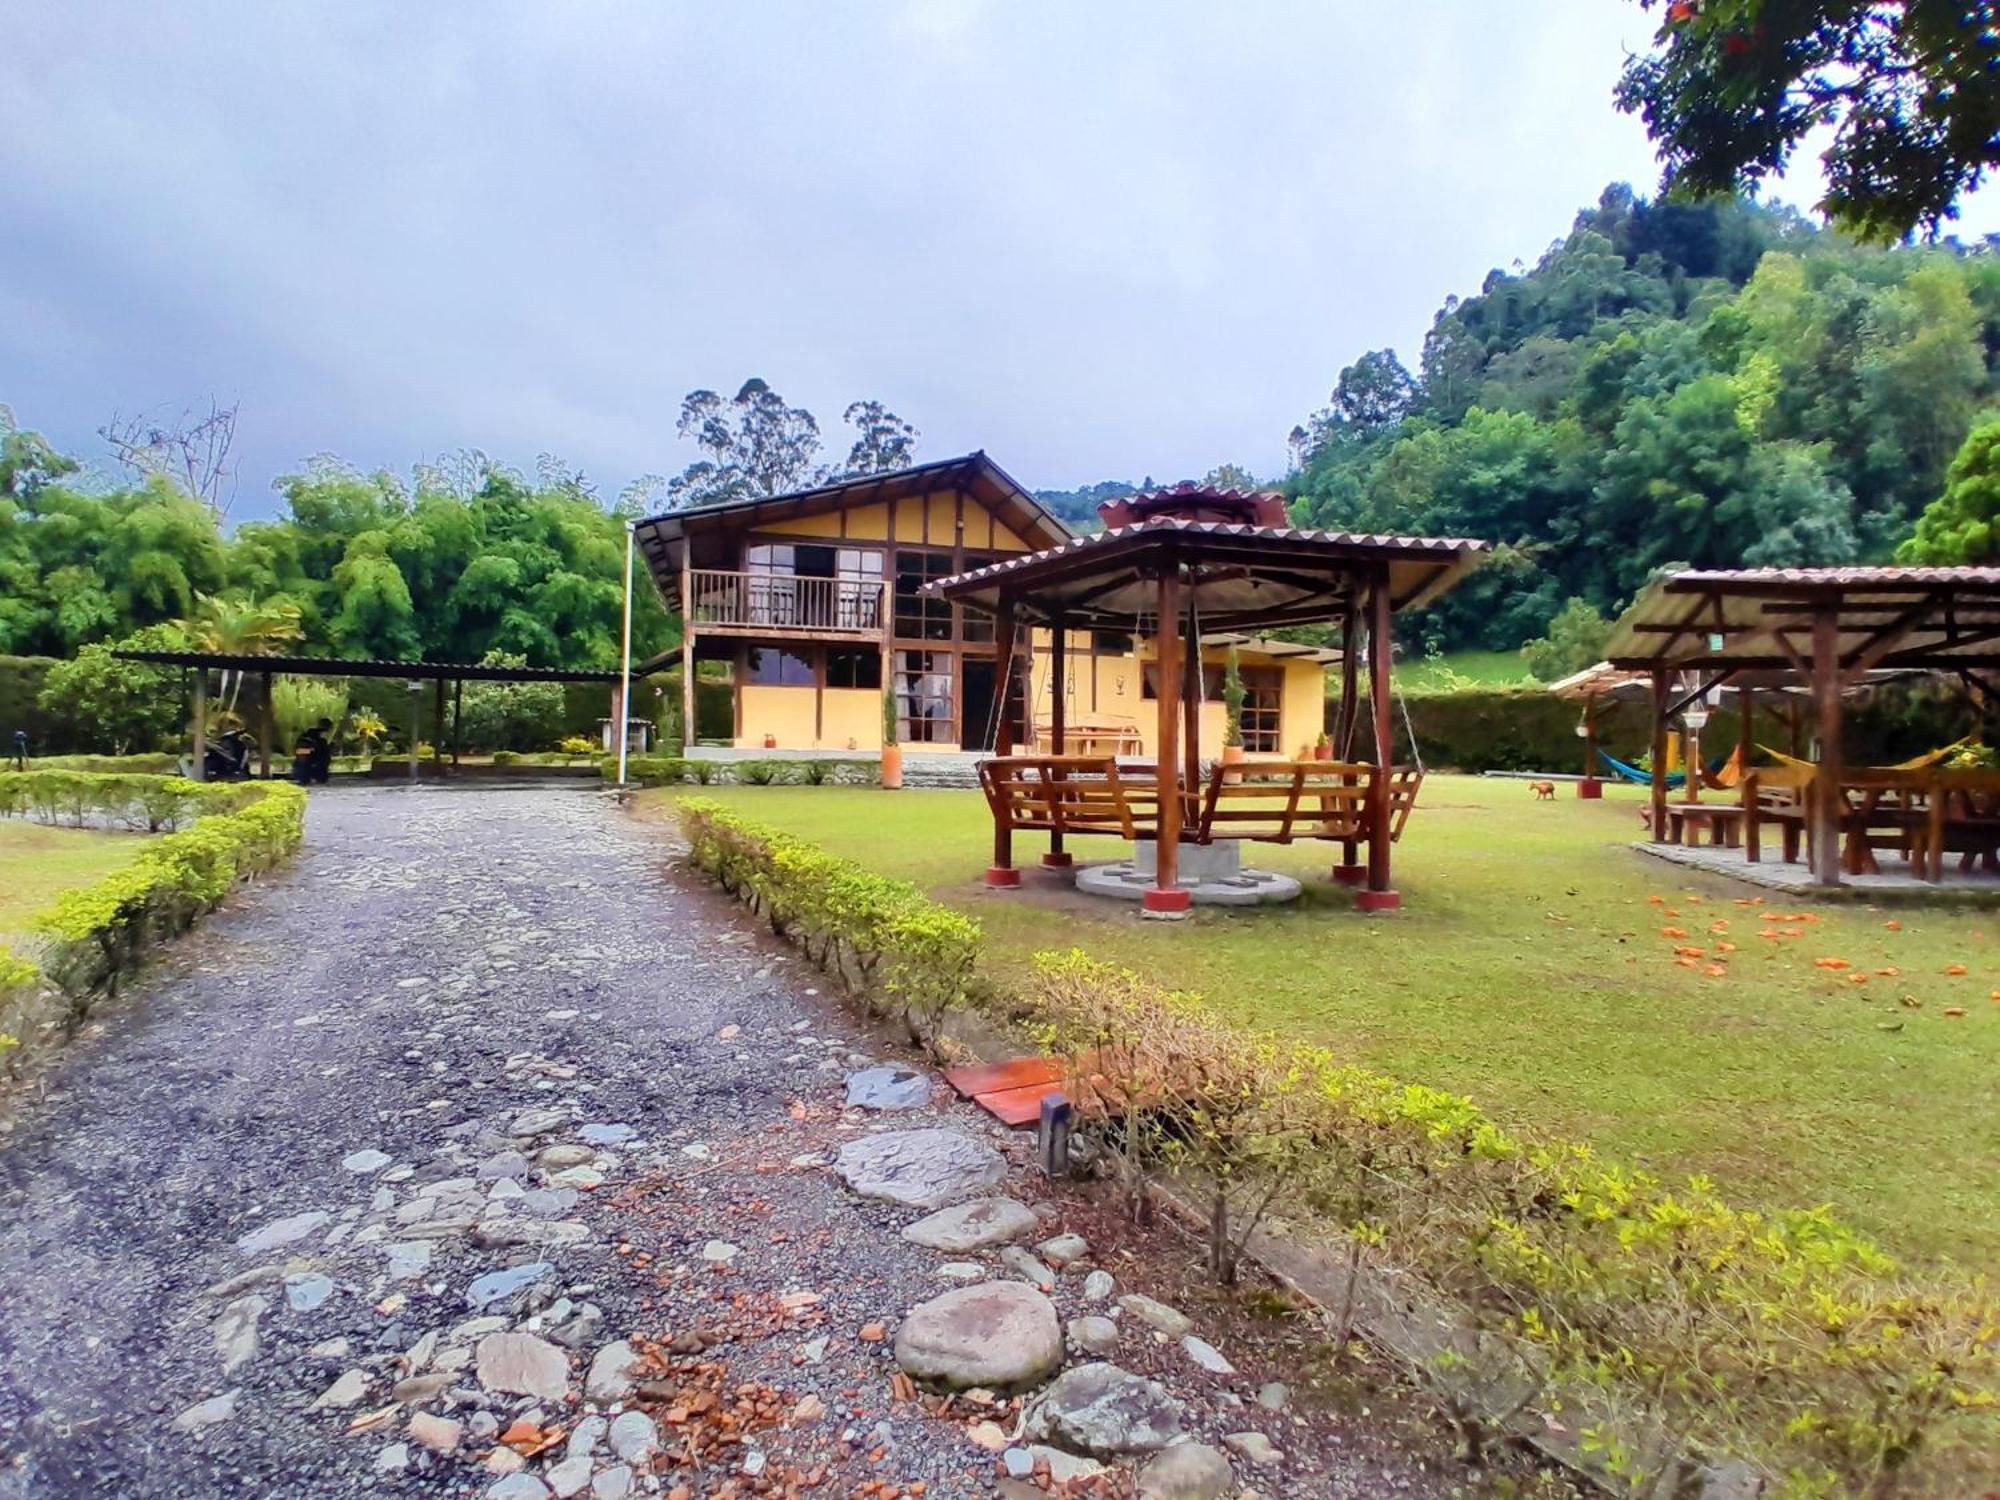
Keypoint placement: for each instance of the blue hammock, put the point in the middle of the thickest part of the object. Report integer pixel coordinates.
(1636, 776)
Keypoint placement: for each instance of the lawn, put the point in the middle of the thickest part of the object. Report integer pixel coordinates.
(1533, 967)
(1480, 669)
(37, 864)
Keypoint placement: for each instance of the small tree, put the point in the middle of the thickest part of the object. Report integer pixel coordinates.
(1962, 526)
(298, 703)
(1575, 640)
(1232, 702)
(511, 715)
(119, 706)
(888, 717)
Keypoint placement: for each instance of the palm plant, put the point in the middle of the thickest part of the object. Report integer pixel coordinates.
(240, 627)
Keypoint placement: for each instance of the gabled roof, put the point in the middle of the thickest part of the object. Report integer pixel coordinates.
(662, 538)
(1246, 577)
(1937, 618)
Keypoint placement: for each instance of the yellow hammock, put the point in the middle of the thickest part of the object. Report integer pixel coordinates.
(1916, 763)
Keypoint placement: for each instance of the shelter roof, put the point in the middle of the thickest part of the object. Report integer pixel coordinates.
(663, 538)
(1241, 576)
(1934, 618)
(346, 666)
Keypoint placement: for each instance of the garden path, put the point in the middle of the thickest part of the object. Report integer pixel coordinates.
(477, 1127)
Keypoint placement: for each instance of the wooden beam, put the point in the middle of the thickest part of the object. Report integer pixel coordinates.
(1166, 898)
(1883, 640)
(1658, 779)
(1824, 810)
(1192, 673)
(1702, 691)
(1381, 893)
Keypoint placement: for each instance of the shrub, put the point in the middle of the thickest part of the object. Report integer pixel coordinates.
(1783, 1338)
(884, 937)
(506, 757)
(576, 746)
(158, 764)
(760, 772)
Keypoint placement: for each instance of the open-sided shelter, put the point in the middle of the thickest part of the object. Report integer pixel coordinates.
(1697, 632)
(1178, 565)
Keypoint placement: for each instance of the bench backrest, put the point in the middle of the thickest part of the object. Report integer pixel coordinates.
(1278, 801)
(1068, 794)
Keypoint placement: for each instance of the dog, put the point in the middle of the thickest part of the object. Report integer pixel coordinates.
(1545, 791)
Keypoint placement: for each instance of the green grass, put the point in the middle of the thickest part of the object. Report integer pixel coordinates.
(1419, 674)
(1529, 970)
(38, 863)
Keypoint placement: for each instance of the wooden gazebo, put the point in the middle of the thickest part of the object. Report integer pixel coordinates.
(1174, 564)
(1826, 630)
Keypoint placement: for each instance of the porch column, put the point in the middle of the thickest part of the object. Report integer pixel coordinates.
(1380, 895)
(1590, 787)
(1659, 756)
(266, 727)
(457, 716)
(1166, 898)
(1350, 870)
(1746, 730)
(1002, 873)
(1823, 812)
(1058, 858)
(201, 723)
(1191, 679)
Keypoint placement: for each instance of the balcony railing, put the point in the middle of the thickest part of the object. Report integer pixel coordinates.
(786, 601)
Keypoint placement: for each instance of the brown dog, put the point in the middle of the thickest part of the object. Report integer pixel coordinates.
(1545, 791)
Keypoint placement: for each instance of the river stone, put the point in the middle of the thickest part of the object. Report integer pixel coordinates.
(1064, 1251)
(610, 1378)
(888, 1087)
(1253, 1446)
(973, 1226)
(607, 1135)
(1093, 1335)
(919, 1168)
(363, 1162)
(634, 1438)
(523, 1365)
(208, 1413)
(1101, 1409)
(1205, 1354)
(1098, 1286)
(495, 1285)
(1186, 1471)
(1000, 1335)
(281, 1232)
(308, 1291)
(1170, 1321)
(236, 1331)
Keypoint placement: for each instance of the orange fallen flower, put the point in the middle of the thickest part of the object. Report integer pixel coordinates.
(1657, 900)
(1687, 963)
(1791, 932)
(1673, 911)
(1893, 926)
(1857, 978)
(1689, 952)
(1673, 932)
(1955, 970)
(1768, 932)
(1888, 971)
(1831, 963)
(1954, 1010)
(1716, 971)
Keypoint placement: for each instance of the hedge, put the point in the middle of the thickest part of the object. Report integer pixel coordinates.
(668, 770)
(21, 682)
(94, 936)
(883, 937)
(1669, 1327)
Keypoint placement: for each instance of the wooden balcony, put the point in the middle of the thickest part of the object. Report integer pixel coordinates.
(785, 604)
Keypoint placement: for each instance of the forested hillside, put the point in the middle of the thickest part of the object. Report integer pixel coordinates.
(1714, 384)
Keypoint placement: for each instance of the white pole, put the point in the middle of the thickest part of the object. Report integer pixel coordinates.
(625, 668)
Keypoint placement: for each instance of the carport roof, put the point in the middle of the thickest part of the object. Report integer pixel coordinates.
(348, 666)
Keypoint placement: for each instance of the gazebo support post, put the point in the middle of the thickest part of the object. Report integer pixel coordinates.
(1166, 898)
(1659, 757)
(1350, 870)
(1057, 857)
(437, 723)
(1379, 895)
(1002, 875)
(1824, 809)
(201, 723)
(457, 716)
(1191, 684)
(1590, 788)
(265, 728)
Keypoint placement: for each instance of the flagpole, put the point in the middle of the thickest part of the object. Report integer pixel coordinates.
(625, 666)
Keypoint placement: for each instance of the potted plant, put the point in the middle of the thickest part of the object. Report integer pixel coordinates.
(1232, 712)
(892, 753)
(1322, 747)
(770, 741)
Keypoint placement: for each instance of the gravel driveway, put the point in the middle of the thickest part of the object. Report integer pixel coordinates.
(476, 1154)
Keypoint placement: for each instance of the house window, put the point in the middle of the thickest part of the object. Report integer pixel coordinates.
(923, 697)
(810, 586)
(1263, 693)
(974, 625)
(770, 666)
(853, 669)
(920, 617)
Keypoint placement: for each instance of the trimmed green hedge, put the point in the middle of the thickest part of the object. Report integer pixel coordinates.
(668, 770)
(91, 938)
(159, 763)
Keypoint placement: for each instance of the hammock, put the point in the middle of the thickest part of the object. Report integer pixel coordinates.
(1915, 763)
(1636, 776)
(1729, 777)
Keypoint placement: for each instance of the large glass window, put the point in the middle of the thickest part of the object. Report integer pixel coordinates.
(923, 697)
(919, 616)
(847, 668)
(973, 624)
(770, 666)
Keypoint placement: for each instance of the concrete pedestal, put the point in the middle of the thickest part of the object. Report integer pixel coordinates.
(1205, 875)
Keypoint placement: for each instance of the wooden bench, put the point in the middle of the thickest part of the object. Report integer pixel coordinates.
(1721, 821)
(1092, 736)
(1068, 794)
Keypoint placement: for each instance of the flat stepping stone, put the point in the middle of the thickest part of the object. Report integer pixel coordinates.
(920, 1168)
(520, 1364)
(1187, 1471)
(1000, 1335)
(281, 1232)
(973, 1226)
(888, 1088)
(1107, 1411)
(496, 1285)
(1168, 1320)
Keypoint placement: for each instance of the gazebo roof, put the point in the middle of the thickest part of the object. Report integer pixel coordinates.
(1935, 618)
(1242, 576)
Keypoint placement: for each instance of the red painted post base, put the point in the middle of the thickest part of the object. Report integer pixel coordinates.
(1058, 859)
(1350, 874)
(1590, 789)
(1167, 903)
(1003, 877)
(1378, 900)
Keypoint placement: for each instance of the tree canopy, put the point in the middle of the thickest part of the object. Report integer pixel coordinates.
(1715, 384)
(1905, 88)
(757, 445)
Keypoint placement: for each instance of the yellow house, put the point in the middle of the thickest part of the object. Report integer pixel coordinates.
(815, 601)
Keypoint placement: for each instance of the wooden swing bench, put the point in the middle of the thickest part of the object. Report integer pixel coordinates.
(1271, 802)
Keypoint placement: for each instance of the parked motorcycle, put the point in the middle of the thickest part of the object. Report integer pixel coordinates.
(231, 757)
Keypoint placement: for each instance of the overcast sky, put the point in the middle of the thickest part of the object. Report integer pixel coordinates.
(1099, 241)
